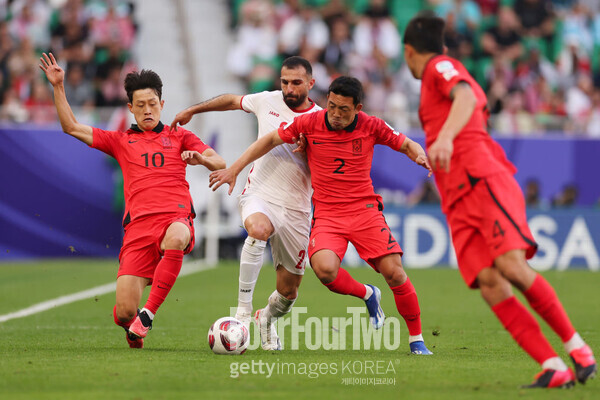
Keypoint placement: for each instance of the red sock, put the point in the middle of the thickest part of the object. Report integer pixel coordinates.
(524, 329)
(164, 278)
(543, 299)
(125, 325)
(345, 284)
(407, 304)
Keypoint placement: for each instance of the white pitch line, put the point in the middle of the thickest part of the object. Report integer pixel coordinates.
(186, 269)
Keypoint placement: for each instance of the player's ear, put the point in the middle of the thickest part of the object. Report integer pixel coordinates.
(311, 83)
(162, 104)
(358, 108)
(130, 106)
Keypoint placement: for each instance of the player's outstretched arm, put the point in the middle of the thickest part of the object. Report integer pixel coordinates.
(256, 150)
(463, 105)
(415, 152)
(56, 76)
(209, 158)
(224, 102)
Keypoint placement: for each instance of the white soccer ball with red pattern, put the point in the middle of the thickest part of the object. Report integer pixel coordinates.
(228, 336)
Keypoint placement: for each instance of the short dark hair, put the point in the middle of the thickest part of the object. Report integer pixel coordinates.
(426, 34)
(145, 79)
(294, 62)
(347, 86)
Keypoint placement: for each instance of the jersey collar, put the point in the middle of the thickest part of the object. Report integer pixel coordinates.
(349, 128)
(158, 128)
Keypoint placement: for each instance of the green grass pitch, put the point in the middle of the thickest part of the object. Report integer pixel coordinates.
(76, 352)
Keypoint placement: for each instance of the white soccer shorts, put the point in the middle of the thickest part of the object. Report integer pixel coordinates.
(289, 242)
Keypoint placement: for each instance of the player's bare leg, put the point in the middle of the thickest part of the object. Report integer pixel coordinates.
(326, 265)
(496, 290)
(543, 299)
(176, 239)
(405, 296)
(280, 303)
(259, 229)
(128, 296)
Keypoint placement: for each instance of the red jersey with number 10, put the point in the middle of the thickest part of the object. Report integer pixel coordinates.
(340, 160)
(476, 154)
(153, 171)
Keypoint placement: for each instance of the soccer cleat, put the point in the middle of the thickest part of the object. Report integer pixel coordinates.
(585, 363)
(244, 317)
(376, 315)
(419, 347)
(552, 378)
(268, 333)
(133, 341)
(141, 325)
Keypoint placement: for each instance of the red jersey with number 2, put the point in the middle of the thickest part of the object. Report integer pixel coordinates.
(340, 160)
(476, 154)
(153, 171)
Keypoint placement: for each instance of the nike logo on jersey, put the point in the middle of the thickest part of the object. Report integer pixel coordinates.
(315, 142)
(132, 141)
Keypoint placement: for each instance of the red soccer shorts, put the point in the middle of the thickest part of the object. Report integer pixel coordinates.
(365, 228)
(141, 251)
(487, 222)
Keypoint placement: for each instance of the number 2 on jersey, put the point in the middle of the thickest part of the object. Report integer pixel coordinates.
(342, 162)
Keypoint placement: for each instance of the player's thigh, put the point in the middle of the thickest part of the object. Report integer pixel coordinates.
(325, 263)
(177, 236)
(504, 220)
(289, 243)
(140, 253)
(257, 216)
(327, 245)
(493, 286)
(372, 238)
(129, 293)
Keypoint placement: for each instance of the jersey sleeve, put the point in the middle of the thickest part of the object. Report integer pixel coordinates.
(446, 75)
(105, 141)
(192, 142)
(387, 135)
(251, 102)
(287, 133)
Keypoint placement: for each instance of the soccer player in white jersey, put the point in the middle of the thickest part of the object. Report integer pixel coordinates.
(275, 204)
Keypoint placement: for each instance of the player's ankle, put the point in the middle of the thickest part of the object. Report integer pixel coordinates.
(416, 338)
(555, 363)
(368, 293)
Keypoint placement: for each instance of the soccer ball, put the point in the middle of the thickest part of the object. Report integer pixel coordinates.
(228, 336)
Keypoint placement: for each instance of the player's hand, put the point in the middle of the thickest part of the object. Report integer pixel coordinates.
(440, 154)
(219, 177)
(192, 157)
(423, 161)
(301, 143)
(182, 118)
(54, 73)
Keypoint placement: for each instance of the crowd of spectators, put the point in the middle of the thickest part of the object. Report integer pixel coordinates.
(92, 41)
(537, 60)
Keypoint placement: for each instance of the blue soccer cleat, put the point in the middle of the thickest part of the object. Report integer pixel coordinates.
(376, 315)
(419, 348)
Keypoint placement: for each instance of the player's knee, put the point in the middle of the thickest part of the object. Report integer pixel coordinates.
(125, 313)
(325, 274)
(175, 242)
(395, 276)
(260, 231)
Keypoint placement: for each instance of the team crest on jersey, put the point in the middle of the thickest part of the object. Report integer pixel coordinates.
(357, 146)
(166, 142)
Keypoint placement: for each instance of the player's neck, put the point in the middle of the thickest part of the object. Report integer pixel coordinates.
(421, 62)
(308, 103)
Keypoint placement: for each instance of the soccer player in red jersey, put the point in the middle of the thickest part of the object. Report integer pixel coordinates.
(339, 149)
(485, 208)
(158, 220)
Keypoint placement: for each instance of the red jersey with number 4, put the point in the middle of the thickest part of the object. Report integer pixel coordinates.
(153, 171)
(476, 154)
(340, 160)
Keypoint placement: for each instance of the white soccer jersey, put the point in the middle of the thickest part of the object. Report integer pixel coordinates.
(280, 176)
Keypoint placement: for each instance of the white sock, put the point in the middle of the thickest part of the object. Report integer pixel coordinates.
(554, 363)
(278, 306)
(250, 264)
(369, 292)
(576, 342)
(416, 338)
(150, 313)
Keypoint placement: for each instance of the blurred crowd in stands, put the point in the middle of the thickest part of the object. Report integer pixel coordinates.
(537, 60)
(92, 41)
